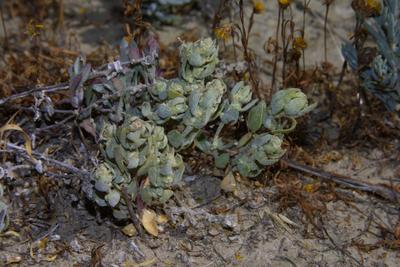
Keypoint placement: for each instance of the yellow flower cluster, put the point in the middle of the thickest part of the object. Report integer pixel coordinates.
(284, 3)
(258, 6)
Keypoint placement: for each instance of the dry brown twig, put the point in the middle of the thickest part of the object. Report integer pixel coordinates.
(4, 28)
(65, 86)
(383, 191)
(276, 50)
(245, 33)
(132, 214)
(12, 148)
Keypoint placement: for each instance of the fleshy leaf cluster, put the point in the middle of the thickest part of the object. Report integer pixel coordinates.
(137, 157)
(198, 60)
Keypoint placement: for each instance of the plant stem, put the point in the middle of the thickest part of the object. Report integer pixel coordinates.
(3, 23)
(276, 51)
(61, 27)
(138, 20)
(328, 4)
(233, 40)
(245, 43)
(303, 32)
(283, 33)
(132, 214)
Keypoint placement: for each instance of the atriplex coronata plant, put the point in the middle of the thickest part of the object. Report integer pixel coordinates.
(381, 76)
(150, 119)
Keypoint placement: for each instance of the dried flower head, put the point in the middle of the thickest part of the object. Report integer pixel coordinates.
(224, 32)
(374, 5)
(367, 8)
(33, 29)
(299, 43)
(258, 6)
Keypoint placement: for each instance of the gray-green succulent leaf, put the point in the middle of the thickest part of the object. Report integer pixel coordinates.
(291, 102)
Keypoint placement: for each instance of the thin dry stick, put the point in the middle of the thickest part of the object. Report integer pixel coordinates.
(303, 32)
(383, 191)
(132, 214)
(284, 46)
(233, 38)
(55, 163)
(245, 43)
(139, 25)
(327, 4)
(305, 6)
(61, 26)
(65, 86)
(53, 126)
(46, 89)
(3, 23)
(276, 50)
(218, 14)
(341, 76)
